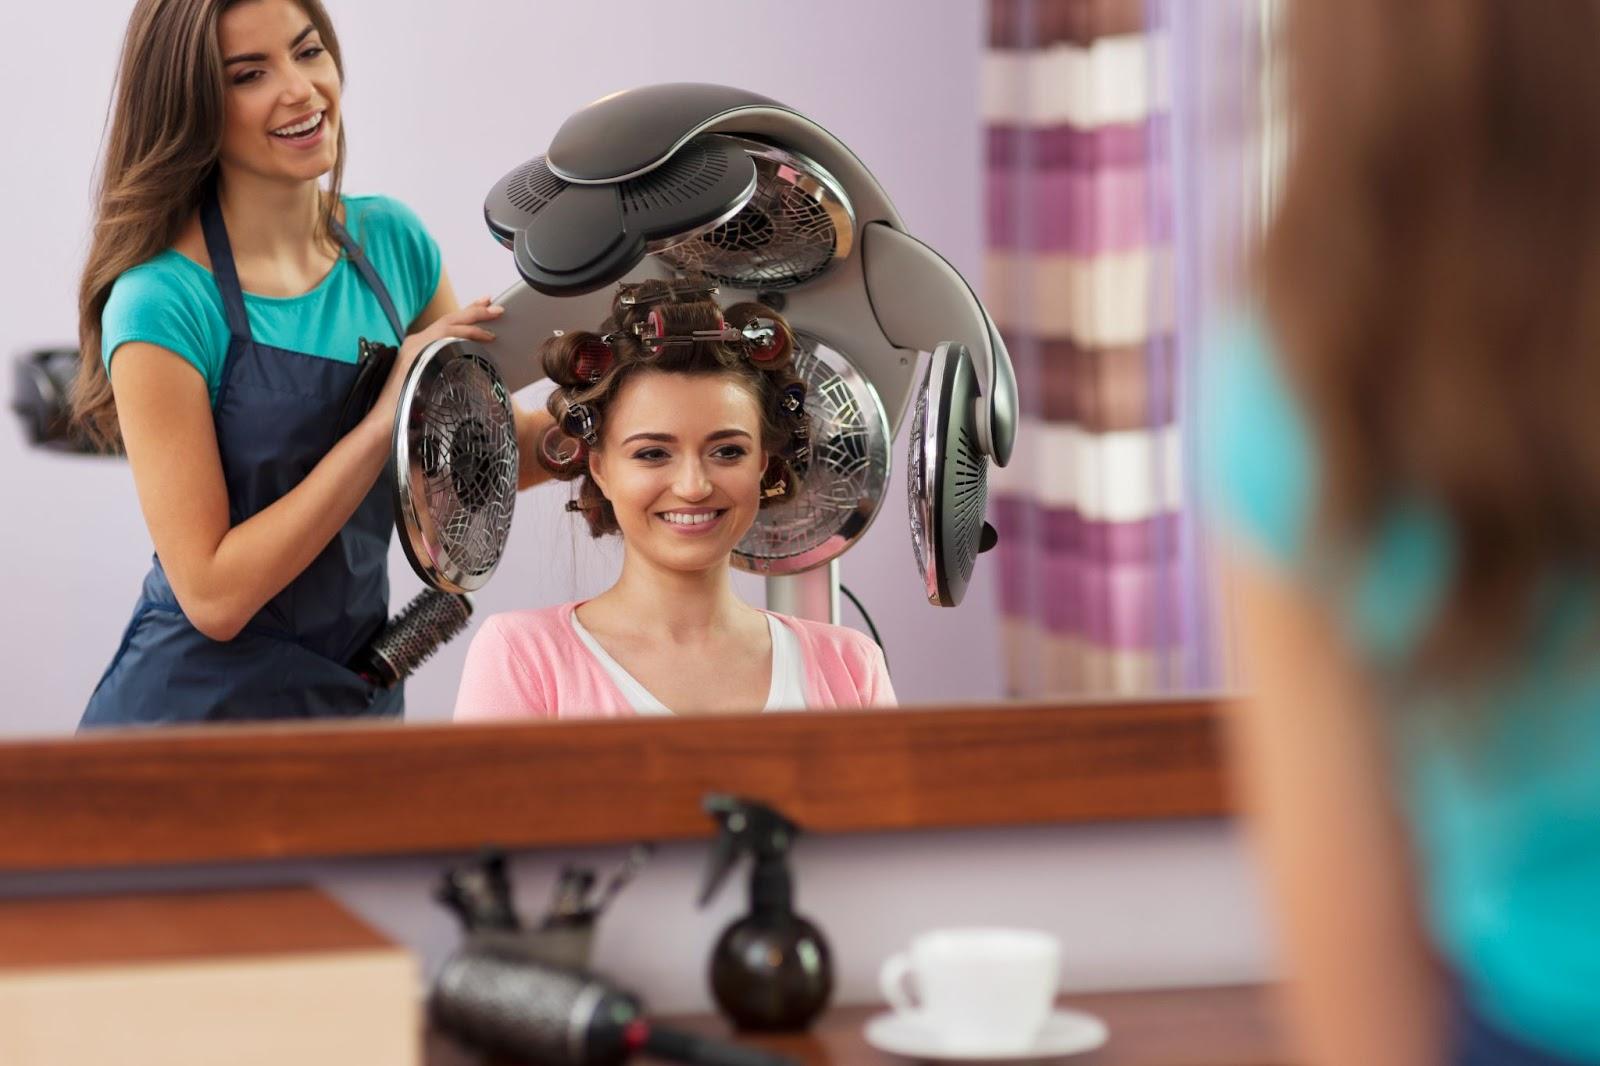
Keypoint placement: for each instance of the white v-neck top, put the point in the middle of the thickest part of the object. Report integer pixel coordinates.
(786, 693)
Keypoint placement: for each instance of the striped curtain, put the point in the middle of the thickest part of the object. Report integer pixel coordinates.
(1119, 196)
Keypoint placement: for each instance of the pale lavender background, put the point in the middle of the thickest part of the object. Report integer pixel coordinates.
(435, 116)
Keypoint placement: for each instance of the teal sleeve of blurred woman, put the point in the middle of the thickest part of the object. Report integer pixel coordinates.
(1504, 805)
(1257, 474)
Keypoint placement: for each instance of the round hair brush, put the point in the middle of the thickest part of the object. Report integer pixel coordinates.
(406, 642)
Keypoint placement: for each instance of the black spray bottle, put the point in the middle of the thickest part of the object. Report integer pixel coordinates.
(771, 970)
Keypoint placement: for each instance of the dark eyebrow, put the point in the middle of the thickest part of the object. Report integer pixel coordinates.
(260, 57)
(668, 438)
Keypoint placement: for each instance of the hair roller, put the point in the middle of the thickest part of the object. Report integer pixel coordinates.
(563, 357)
(766, 343)
(671, 324)
(562, 455)
(655, 327)
(767, 340)
(592, 357)
(575, 419)
(579, 421)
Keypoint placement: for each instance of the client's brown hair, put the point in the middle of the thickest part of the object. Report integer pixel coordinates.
(590, 369)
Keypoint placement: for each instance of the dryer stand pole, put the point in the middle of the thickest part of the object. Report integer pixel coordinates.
(813, 594)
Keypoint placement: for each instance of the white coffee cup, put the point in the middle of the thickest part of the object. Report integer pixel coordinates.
(979, 990)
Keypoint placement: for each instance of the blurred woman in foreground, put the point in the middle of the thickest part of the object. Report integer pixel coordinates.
(1408, 461)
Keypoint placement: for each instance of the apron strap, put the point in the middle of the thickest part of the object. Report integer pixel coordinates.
(222, 267)
(359, 259)
(227, 274)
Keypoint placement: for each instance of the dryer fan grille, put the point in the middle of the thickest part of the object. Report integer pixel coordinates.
(795, 225)
(844, 482)
(969, 475)
(468, 459)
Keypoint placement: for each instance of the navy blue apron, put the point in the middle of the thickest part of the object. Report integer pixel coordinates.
(276, 416)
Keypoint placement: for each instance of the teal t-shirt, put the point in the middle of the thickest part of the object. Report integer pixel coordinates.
(1503, 798)
(172, 301)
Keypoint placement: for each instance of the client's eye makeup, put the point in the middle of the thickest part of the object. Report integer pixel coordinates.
(650, 455)
(731, 452)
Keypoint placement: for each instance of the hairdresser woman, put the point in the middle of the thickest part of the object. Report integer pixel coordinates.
(221, 309)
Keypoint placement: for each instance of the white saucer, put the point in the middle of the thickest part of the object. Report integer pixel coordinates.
(1065, 1032)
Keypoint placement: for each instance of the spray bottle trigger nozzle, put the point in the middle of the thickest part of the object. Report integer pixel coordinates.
(724, 853)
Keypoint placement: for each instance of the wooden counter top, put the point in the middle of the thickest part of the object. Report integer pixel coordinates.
(1227, 1026)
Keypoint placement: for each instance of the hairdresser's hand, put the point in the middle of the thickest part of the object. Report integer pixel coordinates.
(463, 323)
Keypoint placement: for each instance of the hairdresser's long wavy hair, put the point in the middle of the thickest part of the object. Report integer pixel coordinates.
(161, 150)
(1433, 278)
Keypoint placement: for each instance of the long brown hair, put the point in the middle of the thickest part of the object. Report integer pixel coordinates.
(1433, 278)
(161, 151)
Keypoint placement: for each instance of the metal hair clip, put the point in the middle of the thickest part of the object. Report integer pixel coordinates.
(760, 333)
(792, 400)
(651, 333)
(765, 344)
(579, 422)
(773, 486)
(675, 290)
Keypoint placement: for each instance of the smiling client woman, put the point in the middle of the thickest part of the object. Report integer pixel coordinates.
(678, 424)
(221, 310)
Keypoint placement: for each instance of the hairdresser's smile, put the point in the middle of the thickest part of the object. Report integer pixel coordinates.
(303, 132)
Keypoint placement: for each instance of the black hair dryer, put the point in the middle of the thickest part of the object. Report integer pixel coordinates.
(770, 970)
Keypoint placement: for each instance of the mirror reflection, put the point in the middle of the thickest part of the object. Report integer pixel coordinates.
(678, 421)
(617, 476)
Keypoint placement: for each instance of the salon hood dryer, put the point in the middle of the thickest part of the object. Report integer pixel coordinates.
(716, 182)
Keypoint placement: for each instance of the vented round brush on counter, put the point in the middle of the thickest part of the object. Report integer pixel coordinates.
(526, 1011)
(427, 622)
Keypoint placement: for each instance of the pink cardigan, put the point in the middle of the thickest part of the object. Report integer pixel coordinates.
(531, 664)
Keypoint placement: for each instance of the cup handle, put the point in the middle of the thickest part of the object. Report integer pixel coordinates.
(893, 983)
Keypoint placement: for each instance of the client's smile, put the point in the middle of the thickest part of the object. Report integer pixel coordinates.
(691, 516)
